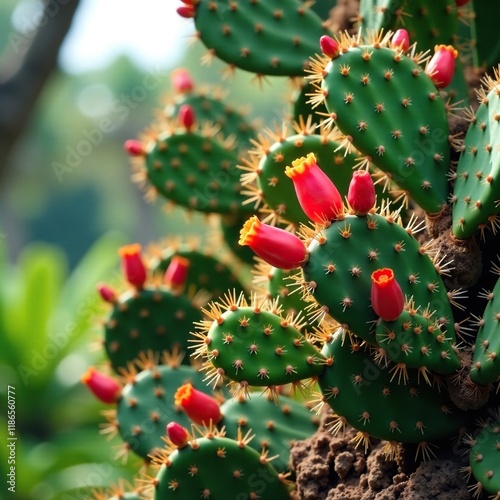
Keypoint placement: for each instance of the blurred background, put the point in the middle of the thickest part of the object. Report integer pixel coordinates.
(78, 78)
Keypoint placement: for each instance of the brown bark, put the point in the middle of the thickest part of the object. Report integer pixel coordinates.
(24, 74)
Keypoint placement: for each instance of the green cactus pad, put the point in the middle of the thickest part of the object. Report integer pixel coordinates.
(268, 38)
(217, 467)
(486, 360)
(431, 23)
(205, 271)
(372, 398)
(274, 425)
(254, 346)
(417, 341)
(147, 405)
(343, 257)
(484, 458)
(476, 195)
(195, 171)
(214, 110)
(152, 319)
(394, 114)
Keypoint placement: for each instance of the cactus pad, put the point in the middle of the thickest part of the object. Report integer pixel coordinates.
(384, 101)
(217, 467)
(268, 38)
(373, 399)
(151, 319)
(476, 195)
(255, 346)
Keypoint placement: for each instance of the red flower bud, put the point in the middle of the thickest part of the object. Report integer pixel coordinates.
(329, 46)
(177, 434)
(104, 387)
(442, 65)
(177, 271)
(133, 267)
(182, 82)
(401, 40)
(186, 117)
(461, 2)
(386, 295)
(200, 407)
(276, 246)
(134, 147)
(187, 11)
(107, 294)
(317, 195)
(361, 193)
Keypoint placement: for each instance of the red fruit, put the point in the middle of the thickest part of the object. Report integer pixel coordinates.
(401, 40)
(186, 116)
(187, 11)
(317, 194)
(442, 65)
(106, 293)
(176, 273)
(200, 407)
(361, 194)
(177, 434)
(104, 387)
(276, 246)
(329, 46)
(386, 295)
(182, 82)
(133, 267)
(134, 147)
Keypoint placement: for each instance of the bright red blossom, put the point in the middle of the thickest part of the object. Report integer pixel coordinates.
(133, 267)
(182, 82)
(200, 407)
(361, 193)
(386, 295)
(441, 66)
(276, 246)
(317, 194)
(104, 387)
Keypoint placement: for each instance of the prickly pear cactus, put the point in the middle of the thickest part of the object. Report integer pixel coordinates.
(383, 100)
(255, 345)
(476, 195)
(275, 425)
(215, 466)
(382, 400)
(267, 38)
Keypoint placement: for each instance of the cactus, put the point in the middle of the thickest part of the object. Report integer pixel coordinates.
(381, 98)
(214, 466)
(147, 404)
(271, 38)
(475, 196)
(148, 317)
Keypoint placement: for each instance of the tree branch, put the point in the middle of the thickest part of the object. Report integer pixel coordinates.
(23, 77)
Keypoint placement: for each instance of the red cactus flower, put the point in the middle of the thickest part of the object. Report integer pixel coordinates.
(186, 116)
(386, 295)
(401, 39)
(361, 194)
(441, 66)
(182, 82)
(461, 2)
(187, 11)
(106, 293)
(177, 434)
(276, 246)
(133, 267)
(104, 387)
(329, 46)
(317, 195)
(200, 407)
(176, 273)
(134, 147)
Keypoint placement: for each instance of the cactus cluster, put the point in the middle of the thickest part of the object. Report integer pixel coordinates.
(373, 212)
